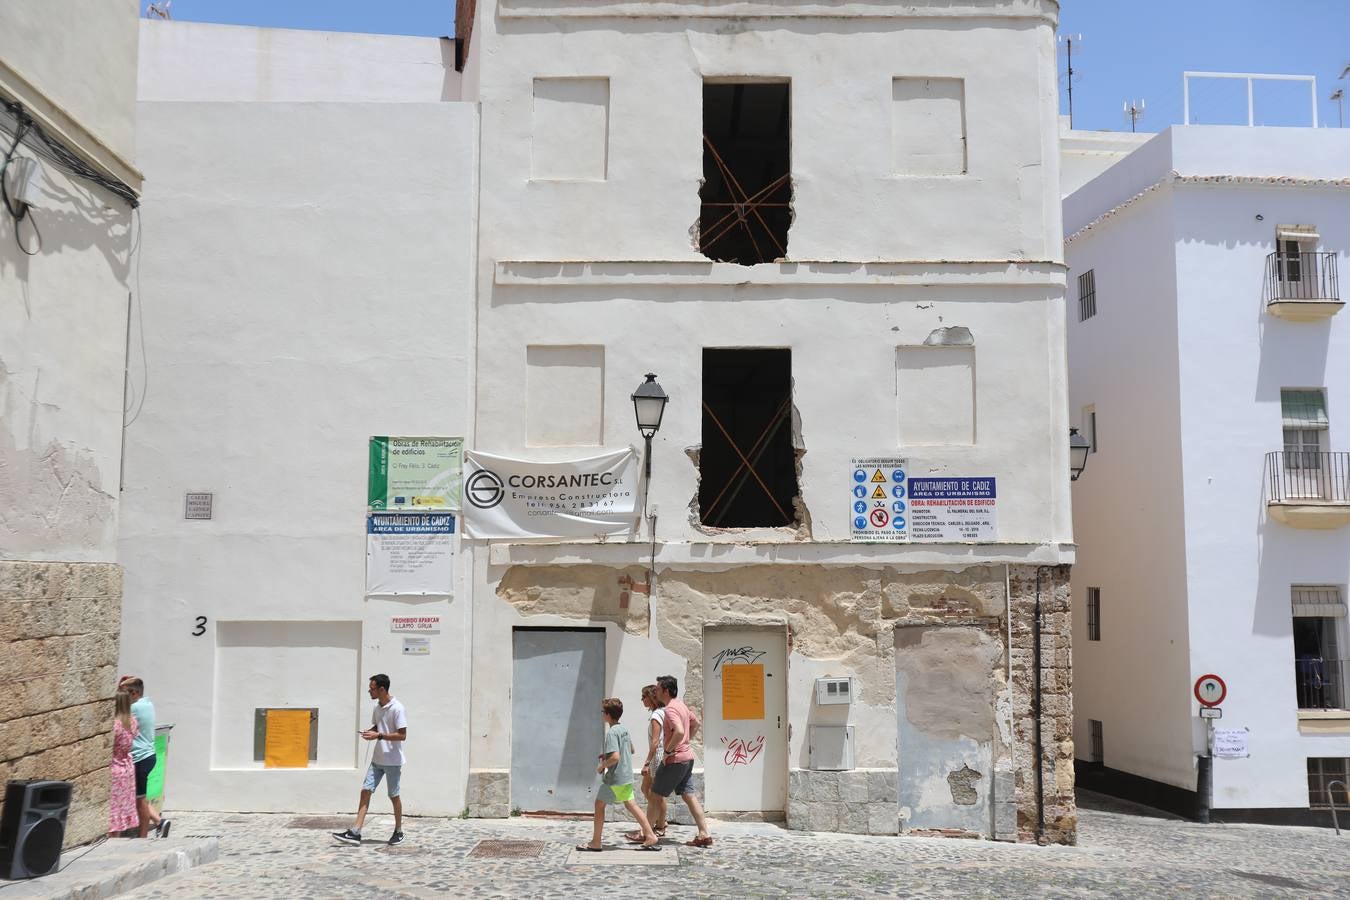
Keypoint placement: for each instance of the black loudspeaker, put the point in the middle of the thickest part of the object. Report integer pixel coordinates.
(33, 827)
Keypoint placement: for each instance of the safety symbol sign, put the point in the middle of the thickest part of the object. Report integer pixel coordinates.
(876, 514)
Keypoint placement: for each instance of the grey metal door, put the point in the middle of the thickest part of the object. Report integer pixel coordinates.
(557, 683)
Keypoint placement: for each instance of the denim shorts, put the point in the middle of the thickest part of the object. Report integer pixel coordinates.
(674, 778)
(376, 772)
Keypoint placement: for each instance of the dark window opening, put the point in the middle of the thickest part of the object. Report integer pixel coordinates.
(1322, 770)
(747, 176)
(747, 464)
(1094, 613)
(1320, 672)
(1098, 746)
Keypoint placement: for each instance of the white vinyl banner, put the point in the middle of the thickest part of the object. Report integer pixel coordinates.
(515, 498)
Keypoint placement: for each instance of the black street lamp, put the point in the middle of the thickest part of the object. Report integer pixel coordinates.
(649, 404)
(1078, 454)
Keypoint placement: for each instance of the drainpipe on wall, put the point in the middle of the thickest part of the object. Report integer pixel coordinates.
(1036, 710)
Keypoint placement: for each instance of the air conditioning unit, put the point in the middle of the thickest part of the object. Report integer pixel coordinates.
(834, 690)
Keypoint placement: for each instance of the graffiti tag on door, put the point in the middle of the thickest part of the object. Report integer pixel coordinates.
(737, 655)
(742, 751)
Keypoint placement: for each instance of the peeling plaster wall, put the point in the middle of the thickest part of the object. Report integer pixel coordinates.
(941, 635)
(63, 332)
(878, 260)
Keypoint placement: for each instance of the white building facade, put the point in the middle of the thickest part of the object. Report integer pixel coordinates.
(1205, 358)
(896, 296)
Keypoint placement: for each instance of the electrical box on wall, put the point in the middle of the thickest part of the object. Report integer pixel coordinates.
(830, 748)
(834, 690)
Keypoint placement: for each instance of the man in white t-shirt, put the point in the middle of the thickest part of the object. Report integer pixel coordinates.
(388, 729)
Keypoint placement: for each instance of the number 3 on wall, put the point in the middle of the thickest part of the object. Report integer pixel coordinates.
(201, 627)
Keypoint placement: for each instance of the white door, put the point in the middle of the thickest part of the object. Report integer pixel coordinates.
(745, 745)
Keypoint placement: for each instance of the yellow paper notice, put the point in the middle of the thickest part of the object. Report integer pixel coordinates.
(743, 691)
(287, 743)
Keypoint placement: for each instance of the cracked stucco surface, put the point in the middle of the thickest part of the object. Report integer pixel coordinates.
(951, 677)
(53, 496)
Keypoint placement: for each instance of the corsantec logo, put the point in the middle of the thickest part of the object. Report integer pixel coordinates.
(575, 480)
(484, 489)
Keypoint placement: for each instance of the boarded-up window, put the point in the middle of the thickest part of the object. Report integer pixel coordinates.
(564, 395)
(747, 463)
(570, 136)
(935, 387)
(745, 198)
(928, 126)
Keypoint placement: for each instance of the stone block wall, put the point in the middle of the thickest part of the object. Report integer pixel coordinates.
(858, 801)
(59, 627)
(1060, 811)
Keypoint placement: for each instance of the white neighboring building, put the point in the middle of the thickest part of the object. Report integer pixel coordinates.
(307, 274)
(1209, 366)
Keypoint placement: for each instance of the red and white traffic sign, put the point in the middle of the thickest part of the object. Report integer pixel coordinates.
(1210, 690)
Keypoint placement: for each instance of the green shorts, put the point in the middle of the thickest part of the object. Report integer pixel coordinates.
(616, 793)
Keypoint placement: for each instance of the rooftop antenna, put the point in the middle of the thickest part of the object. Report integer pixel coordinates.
(1135, 112)
(159, 10)
(1068, 41)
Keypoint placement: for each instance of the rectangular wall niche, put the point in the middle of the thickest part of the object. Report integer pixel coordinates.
(928, 126)
(570, 135)
(286, 665)
(564, 396)
(935, 388)
(747, 464)
(747, 172)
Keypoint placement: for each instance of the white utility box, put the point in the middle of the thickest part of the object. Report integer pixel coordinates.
(834, 690)
(831, 747)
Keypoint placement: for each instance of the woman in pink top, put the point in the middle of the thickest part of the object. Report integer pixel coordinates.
(122, 790)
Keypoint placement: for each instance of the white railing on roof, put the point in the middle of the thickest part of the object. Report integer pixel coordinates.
(1248, 77)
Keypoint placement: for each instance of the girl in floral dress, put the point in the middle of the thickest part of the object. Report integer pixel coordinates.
(122, 790)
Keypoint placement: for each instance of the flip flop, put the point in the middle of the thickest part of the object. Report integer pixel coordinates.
(700, 842)
(649, 848)
(587, 849)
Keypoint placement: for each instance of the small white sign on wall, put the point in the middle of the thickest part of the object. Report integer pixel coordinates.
(1231, 743)
(419, 624)
(417, 646)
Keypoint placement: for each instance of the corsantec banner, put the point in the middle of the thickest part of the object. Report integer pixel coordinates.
(508, 498)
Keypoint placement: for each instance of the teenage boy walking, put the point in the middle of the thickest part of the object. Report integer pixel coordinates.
(388, 729)
(616, 769)
(675, 773)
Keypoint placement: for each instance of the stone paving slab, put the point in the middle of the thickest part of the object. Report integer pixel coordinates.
(1123, 852)
(114, 867)
(615, 855)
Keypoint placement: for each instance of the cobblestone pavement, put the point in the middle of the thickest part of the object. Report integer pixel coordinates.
(1123, 852)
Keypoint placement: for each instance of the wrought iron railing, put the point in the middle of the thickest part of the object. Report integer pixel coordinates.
(1321, 682)
(1301, 276)
(1294, 476)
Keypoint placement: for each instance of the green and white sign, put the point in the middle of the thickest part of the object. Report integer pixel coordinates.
(415, 472)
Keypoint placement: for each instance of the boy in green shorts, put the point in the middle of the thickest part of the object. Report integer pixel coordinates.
(616, 769)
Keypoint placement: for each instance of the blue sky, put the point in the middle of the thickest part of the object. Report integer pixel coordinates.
(1131, 49)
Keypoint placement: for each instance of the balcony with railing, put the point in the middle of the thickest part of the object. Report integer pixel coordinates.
(1308, 488)
(1302, 287)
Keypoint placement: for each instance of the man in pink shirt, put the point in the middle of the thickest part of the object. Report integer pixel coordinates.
(674, 775)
